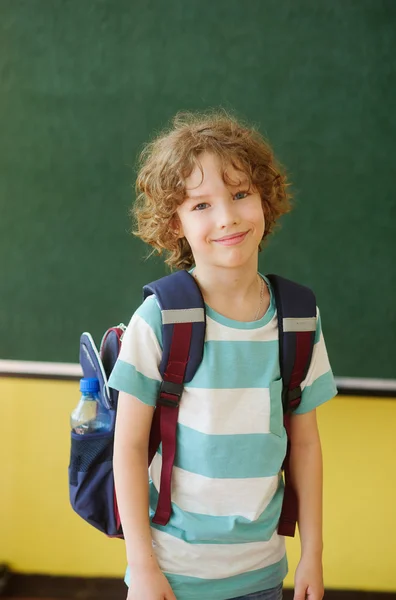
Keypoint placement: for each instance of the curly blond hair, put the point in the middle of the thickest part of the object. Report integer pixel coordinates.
(167, 161)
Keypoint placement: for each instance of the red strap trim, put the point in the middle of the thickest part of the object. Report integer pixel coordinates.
(289, 514)
(119, 333)
(168, 421)
(178, 353)
(155, 435)
(169, 396)
(167, 416)
(303, 349)
(116, 512)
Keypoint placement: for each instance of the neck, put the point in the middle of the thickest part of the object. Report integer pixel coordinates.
(226, 281)
(234, 293)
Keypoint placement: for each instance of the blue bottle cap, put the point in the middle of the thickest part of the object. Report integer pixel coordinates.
(89, 384)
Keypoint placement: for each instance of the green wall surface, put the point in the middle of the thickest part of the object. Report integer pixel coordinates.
(84, 84)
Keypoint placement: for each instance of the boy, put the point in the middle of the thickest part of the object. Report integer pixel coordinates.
(209, 192)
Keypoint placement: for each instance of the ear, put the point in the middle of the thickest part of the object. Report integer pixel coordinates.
(176, 227)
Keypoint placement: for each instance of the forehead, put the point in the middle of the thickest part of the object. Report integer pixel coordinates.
(210, 169)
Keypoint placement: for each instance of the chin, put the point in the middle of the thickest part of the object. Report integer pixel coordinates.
(240, 257)
(235, 262)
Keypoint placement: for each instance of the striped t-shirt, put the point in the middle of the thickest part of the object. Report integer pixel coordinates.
(221, 540)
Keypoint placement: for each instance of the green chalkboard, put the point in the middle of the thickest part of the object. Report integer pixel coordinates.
(85, 84)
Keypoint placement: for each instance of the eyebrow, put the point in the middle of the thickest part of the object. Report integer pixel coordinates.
(205, 196)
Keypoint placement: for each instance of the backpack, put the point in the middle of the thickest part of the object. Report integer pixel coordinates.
(91, 481)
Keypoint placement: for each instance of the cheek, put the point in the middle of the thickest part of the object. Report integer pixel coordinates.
(256, 215)
(258, 218)
(199, 232)
(193, 230)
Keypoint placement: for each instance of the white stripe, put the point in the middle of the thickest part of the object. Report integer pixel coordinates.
(308, 324)
(319, 363)
(184, 315)
(217, 497)
(141, 349)
(226, 411)
(215, 561)
(216, 332)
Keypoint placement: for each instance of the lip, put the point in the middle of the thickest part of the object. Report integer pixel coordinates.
(230, 240)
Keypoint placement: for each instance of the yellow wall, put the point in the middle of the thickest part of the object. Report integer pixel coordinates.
(39, 533)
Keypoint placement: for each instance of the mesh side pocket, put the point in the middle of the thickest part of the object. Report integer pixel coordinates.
(87, 451)
(91, 480)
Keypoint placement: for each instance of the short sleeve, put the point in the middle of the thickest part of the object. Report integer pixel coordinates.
(319, 385)
(136, 371)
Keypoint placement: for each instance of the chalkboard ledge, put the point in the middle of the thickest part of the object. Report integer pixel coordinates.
(347, 386)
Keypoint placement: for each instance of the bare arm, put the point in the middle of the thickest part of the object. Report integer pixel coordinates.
(131, 477)
(306, 472)
(130, 461)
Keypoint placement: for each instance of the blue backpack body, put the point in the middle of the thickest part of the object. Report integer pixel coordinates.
(91, 480)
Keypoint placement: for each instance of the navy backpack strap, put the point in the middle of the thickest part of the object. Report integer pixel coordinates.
(180, 301)
(296, 309)
(183, 335)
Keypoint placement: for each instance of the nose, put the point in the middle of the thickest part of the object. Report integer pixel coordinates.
(227, 212)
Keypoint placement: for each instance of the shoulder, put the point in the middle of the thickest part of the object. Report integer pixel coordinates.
(149, 310)
(318, 333)
(146, 321)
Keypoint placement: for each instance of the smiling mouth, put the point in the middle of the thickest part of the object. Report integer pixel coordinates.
(232, 239)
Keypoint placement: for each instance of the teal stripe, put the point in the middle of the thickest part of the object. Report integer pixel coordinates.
(318, 329)
(322, 390)
(276, 414)
(196, 528)
(229, 365)
(150, 312)
(194, 588)
(125, 378)
(229, 456)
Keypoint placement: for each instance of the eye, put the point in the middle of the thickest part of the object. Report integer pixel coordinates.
(241, 192)
(201, 206)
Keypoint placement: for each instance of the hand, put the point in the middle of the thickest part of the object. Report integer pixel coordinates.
(149, 583)
(308, 580)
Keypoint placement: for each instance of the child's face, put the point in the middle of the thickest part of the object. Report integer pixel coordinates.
(223, 223)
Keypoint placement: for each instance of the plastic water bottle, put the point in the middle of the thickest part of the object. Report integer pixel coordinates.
(90, 416)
